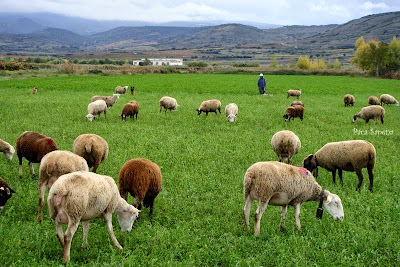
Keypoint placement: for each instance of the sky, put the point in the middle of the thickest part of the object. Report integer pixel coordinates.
(279, 12)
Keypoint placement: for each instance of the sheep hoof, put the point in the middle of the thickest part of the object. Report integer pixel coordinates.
(39, 219)
(283, 229)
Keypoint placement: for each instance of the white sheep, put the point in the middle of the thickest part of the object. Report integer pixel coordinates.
(209, 106)
(353, 155)
(388, 99)
(92, 147)
(296, 93)
(96, 108)
(167, 102)
(279, 184)
(370, 112)
(285, 144)
(52, 166)
(82, 196)
(231, 111)
(7, 149)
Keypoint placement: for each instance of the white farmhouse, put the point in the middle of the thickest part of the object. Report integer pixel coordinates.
(161, 61)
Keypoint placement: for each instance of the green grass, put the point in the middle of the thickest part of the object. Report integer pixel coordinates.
(198, 216)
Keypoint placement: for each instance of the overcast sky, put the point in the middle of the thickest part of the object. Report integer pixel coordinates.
(281, 12)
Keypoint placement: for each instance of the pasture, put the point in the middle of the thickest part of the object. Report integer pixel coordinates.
(198, 216)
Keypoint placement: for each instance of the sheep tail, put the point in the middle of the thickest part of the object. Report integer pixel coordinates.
(88, 148)
(247, 184)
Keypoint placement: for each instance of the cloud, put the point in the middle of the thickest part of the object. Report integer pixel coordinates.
(371, 6)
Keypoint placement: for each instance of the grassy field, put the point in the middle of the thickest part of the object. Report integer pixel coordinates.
(198, 216)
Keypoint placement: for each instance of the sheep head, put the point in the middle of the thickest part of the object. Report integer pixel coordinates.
(310, 163)
(5, 194)
(356, 117)
(126, 216)
(231, 118)
(9, 153)
(333, 205)
(90, 117)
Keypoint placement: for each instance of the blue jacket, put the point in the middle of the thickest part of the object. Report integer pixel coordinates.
(262, 83)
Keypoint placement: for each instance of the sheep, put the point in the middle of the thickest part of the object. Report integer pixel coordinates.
(349, 100)
(121, 90)
(52, 166)
(280, 184)
(93, 148)
(231, 111)
(130, 109)
(295, 93)
(209, 106)
(285, 144)
(7, 149)
(96, 108)
(167, 102)
(82, 196)
(132, 90)
(34, 91)
(297, 102)
(373, 100)
(388, 99)
(350, 156)
(142, 179)
(293, 112)
(370, 112)
(5, 193)
(33, 146)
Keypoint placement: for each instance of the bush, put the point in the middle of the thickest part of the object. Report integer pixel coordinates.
(197, 64)
(68, 68)
(95, 71)
(254, 64)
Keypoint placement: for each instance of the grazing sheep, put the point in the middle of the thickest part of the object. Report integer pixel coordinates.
(370, 112)
(297, 102)
(285, 144)
(110, 100)
(388, 99)
(373, 100)
(209, 106)
(82, 196)
(93, 148)
(132, 90)
(7, 149)
(52, 166)
(350, 156)
(5, 193)
(130, 110)
(120, 89)
(167, 102)
(293, 112)
(142, 179)
(279, 184)
(296, 93)
(33, 146)
(34, 90)
(96, 108)
(349, 100)
(231, 112)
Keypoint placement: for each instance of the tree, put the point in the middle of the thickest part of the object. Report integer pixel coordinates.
(303, 63)
(337, 64)
(372, 56)
(273, 62)
(394, 56)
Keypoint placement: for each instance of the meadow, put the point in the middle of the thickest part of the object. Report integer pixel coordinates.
(198, 216)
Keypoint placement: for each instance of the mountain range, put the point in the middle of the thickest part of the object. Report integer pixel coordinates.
(51, 33)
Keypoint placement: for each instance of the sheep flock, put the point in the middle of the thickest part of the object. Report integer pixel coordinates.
(78, 194)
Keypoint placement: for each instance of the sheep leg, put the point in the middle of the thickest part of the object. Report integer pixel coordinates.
(20, 166)
(289, 159)
(108, 219)
(382, 119)
(85, 226)
(206, 113)
(334, 176)
(69, 234)
(282, 225)
(360, 179)
(257, 216)
(96, 165)
(340, 176)
(42, 189)
(219, 111)
(246, 211)
(60, 233)
(370, 169)
(32, 169)
(297, 215)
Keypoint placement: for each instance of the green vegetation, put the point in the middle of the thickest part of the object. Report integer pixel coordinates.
(198, 217)
(245, 64)
(197, 64)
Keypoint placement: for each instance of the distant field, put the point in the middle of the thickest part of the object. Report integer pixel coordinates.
(198, 216)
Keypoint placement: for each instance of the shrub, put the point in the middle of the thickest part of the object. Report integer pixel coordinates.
(67, 68)
(197, 64)
(95, 71)
(254, 64)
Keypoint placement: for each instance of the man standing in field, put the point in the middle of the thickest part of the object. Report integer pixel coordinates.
(262, 83)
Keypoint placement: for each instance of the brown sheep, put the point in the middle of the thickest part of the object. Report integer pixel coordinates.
(370, 112)
(296, 93)
(209, 106)
(130, 109)
(373, 100)
(93, 148)
(348, 100)
(142, 179)
(293, 112)
(5, 193)
(34, 90)
(297, 102)
(33, 146)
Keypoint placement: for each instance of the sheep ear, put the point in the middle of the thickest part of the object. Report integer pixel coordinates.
(310, 156)
(1, 188)
(328, 199)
